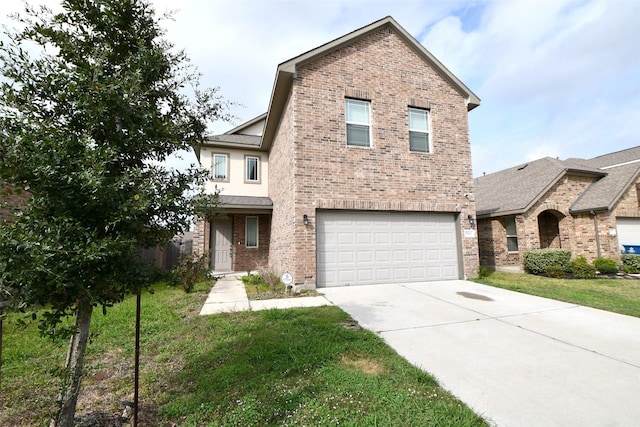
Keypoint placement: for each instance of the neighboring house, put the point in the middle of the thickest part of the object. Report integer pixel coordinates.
(589, 206)
(359, 172)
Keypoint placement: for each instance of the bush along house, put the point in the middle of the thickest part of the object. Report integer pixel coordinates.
(590, 207)
(358, 173)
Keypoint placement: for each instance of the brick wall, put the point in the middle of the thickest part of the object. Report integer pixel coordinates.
(577, 231)
(492, 244)
(282, 163)
(383, 69)
(245, 259)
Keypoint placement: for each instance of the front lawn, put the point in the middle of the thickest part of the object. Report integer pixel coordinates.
(616, 295)
(276, 367)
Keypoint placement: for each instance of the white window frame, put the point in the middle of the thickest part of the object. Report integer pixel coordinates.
(246, 231)
(514, 237)
(246, 169)
(426, 132)
(213, 167)
(355, 123)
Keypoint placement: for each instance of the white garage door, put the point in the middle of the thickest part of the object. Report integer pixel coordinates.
(362, 248)
(628, 231)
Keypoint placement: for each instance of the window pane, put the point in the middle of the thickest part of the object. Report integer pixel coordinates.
(358, 135)
(512, 244)
(418, 120)
(510, 225)
(357, 111)
(419, 141)
(252, 232)
(252, 169)
(220, 166)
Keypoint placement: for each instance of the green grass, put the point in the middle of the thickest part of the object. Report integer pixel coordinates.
(257, 289)
(279, 367)
(616, 295)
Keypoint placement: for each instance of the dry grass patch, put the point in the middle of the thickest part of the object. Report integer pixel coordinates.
(362, 363)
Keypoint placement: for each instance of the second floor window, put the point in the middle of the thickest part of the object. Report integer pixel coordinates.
(358, 123)
(512, 234)
(220, 162)
(252, 169)
(419, 130)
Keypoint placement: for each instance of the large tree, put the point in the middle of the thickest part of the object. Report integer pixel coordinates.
(93, 100)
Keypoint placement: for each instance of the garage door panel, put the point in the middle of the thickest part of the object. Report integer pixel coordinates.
(416, 255)
(383, 255)
(628, 230)
(346, 257)
(381, 238)
(365, 257)
(377, 247)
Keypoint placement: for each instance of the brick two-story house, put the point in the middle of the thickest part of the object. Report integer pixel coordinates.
(359, 172)
(588, 206)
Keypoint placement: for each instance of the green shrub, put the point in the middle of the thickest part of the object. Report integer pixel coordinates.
(605, 265)
(537, 261)
(581, 269)
(631, 263)
(555, 271)
(190, 270)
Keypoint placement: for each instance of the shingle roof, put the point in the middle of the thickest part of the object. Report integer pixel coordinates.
(516, 189)
(617, 158)
(235, 139)
(246, 202)
(603, 194)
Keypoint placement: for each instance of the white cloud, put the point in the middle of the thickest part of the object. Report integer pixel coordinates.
(556, 77)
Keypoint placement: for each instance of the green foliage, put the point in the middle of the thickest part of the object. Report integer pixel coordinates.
(88, 114)
(581, 269)
(190, 270)
(92, 102)
(555, 271)
(537, 261)
(605, 265)
(631, 263)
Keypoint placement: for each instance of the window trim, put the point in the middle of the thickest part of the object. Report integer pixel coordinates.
(213, 167)
(246, 169)
(348, 122)
(427, 112)
(511, 236)
(246, 232)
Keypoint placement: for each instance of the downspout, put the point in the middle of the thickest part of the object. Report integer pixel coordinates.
(595, 224)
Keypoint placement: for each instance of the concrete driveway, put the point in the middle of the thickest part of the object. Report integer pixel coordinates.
(518, 360)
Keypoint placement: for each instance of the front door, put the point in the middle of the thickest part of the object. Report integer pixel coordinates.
(221, 245)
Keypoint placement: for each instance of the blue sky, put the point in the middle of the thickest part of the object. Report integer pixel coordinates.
(557, 78)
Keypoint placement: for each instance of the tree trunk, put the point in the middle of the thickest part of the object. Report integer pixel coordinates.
(75, 363)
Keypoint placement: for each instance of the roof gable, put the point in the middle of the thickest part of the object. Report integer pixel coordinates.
(287, 70)
(516, 190)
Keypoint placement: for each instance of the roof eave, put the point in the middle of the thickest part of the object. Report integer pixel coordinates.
(279, 95)
(498, 213)
(286, 72)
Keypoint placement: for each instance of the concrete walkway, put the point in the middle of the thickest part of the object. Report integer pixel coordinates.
(516, 359)
(229, 295)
